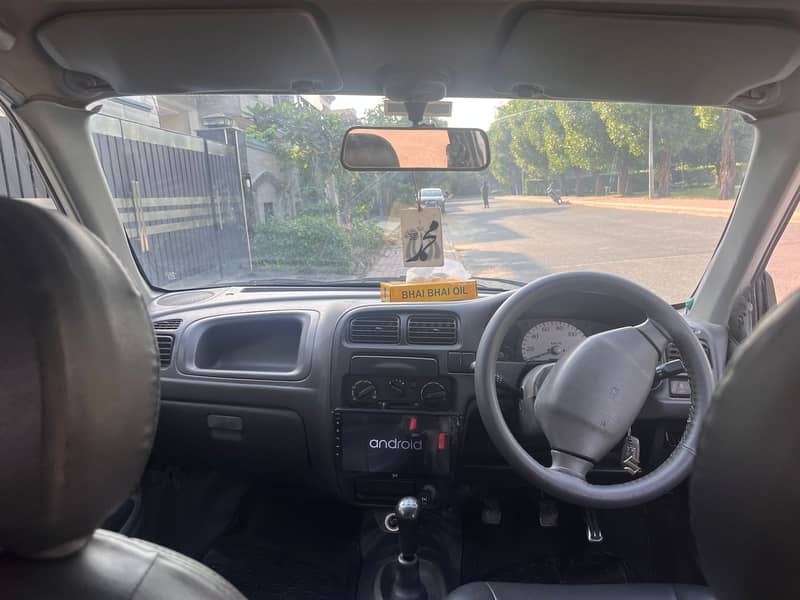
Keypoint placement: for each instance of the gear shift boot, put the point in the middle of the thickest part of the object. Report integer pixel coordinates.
(408, 577)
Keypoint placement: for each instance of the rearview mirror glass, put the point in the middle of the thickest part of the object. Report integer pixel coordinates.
(415, 149)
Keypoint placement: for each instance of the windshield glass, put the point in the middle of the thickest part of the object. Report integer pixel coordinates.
(219, 190)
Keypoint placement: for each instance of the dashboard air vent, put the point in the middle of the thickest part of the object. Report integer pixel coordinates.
(167, 324)
(375, 329)
(440, 330)
(165, 343)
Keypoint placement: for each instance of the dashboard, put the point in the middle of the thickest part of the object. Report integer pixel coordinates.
(370, 401)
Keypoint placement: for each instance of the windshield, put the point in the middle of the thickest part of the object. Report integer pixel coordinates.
(221, 190)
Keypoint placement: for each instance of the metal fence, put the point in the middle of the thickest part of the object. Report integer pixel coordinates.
(19, 174)
(179, 198)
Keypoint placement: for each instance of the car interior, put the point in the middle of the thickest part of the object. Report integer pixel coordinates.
(167, 436)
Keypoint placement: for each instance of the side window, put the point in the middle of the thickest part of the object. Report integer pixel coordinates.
(20, 176)
(784, 264)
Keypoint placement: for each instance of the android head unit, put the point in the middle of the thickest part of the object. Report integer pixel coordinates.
(392, 442)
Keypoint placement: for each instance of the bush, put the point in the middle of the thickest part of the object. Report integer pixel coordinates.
(316, 243)
(366, 239)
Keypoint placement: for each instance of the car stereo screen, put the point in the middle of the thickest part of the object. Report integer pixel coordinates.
(393, 443)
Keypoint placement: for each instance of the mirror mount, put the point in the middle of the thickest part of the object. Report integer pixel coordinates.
(416, 111)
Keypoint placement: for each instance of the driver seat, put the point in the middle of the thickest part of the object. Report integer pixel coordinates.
(745, 489)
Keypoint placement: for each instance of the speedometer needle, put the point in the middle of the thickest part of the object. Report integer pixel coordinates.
(555, 349)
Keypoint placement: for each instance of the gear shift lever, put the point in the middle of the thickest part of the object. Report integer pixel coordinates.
(407, 584)
(407, 512)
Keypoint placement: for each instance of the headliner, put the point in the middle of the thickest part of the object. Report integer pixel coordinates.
(376, 43)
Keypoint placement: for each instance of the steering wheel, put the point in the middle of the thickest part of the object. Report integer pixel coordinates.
(592, 395)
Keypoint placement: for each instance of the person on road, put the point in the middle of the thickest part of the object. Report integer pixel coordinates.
(485, 193)
(554, 194)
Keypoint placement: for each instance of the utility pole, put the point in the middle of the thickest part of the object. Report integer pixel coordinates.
(650, 174)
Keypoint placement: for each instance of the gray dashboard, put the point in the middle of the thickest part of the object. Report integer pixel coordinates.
(251, 377)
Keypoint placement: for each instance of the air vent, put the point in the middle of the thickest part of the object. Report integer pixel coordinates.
(375, 329)
(165, 343)
(673, 353)
(440, 330)
(167, 324)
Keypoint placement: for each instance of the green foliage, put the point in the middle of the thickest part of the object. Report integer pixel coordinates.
(547, 140)
(366, 241)
(586, 142)
(626, 125)
(316, 243)
(375, 117)
(307, 138)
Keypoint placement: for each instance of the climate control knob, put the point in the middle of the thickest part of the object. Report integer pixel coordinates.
(433, 395)
(398, 385)
(364, 391)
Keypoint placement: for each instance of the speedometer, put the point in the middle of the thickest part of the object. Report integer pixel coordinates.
(550, 340)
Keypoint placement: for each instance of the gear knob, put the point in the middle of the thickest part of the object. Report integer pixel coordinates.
(407, 512)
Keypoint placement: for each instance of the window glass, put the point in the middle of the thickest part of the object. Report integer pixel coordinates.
(217, 190)
(20, 176)
(783, 265)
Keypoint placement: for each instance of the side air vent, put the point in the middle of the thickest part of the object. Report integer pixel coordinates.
(673, 353)
(165, 343)
(440, 330)
(167, 324)
(375, 329)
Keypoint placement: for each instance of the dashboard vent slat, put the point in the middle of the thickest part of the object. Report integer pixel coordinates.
(375, 329)
(167, 324)
(165, 344)
(440, 330)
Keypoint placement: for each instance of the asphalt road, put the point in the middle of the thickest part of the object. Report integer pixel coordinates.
(523, 240)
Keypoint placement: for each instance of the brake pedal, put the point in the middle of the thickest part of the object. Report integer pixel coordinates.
(593, 532)
(491, 514)
(548, 513)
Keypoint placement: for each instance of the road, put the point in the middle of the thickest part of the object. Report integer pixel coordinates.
(522, 239)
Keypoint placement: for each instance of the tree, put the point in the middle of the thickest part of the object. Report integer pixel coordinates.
(377, 118)
(627, 128)
(728, 129)
(304, 138)
(675, 129)
(586, 143)
(504, 168)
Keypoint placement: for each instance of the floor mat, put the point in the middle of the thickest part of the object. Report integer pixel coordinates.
(263, 572)
(290, 549)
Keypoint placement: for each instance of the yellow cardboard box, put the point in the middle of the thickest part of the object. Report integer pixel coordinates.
(429, 291)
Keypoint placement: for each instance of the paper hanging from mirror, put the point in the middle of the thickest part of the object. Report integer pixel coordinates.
(422, 237)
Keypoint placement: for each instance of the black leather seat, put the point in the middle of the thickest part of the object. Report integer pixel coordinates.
(78, 413)
(483, 590)
(745, 490)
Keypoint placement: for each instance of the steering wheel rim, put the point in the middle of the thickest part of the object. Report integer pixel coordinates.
(562, 483)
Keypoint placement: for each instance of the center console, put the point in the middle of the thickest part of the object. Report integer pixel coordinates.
(396, 433)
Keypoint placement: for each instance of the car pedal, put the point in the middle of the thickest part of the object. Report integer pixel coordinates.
(593, 532)
(548, 513)
(491, 513)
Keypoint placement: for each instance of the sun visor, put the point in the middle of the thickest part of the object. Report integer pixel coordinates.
(185, 51)
(642, 58)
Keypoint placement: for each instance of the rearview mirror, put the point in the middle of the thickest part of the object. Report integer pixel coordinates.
(415, 148)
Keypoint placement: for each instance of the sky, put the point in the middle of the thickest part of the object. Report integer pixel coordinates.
(467, 112)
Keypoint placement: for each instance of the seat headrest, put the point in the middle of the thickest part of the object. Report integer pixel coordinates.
(745, 489)
(79, 370)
